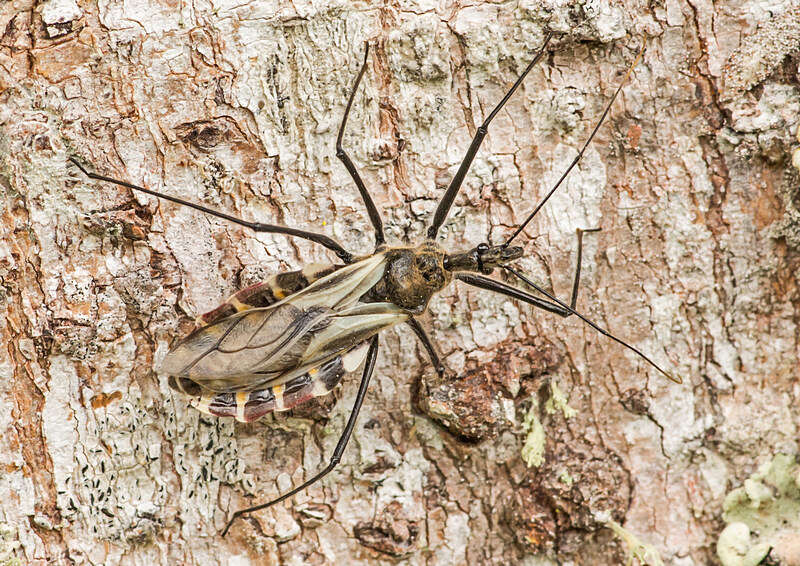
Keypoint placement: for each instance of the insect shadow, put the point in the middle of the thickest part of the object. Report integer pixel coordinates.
(293, 336)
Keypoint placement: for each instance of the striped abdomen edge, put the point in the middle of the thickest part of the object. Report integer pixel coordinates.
(247, 406)
(267, 292)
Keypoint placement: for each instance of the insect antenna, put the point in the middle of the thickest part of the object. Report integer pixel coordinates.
(527, 281)
(583, 149)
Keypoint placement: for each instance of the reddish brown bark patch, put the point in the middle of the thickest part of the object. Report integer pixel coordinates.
(118, 224)
(207, 134)
(561, 507)
(470, 405)
(532, 520)
(390, 534)
(634, 135)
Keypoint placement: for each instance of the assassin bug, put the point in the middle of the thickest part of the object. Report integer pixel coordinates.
(293, 336)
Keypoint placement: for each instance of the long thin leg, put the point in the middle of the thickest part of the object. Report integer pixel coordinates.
(372, 210)
(321, 239)
(452, 190)
(499, 287)
(556, 306)
(590, 323)
(426, 341)
(575, 283)
(369, 366)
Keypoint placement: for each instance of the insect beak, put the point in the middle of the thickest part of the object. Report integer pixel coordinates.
(511, 253)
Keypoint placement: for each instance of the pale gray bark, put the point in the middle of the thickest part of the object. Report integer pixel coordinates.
(236, 105)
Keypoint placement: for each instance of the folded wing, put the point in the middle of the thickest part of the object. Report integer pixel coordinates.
(265, 347)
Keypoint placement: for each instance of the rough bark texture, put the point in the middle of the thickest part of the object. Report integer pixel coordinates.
(546, 437)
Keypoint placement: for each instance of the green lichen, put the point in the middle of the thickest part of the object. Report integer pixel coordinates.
(558, 402)
(533, 449)
(8, 546)
(763, 510)
(735, 547)
(637, 549)
(566, 478)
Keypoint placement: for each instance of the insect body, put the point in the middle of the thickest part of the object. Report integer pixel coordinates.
(289, 338)
(292, 337)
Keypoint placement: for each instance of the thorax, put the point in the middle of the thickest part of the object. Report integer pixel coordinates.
(411, 277)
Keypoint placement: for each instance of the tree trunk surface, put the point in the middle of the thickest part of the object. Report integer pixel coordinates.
(545, 442)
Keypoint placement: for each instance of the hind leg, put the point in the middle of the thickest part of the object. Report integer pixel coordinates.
(372, 354)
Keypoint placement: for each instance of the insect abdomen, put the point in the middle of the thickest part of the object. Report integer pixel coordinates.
(248, 406)
(267, 292)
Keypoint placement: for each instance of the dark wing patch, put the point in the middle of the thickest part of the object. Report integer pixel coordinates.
(257, 348)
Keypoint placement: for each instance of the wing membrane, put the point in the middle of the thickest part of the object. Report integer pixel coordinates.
(266, 347)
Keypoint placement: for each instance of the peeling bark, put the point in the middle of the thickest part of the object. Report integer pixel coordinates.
(237, 106)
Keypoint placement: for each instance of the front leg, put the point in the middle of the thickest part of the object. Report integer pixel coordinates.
(553, 305)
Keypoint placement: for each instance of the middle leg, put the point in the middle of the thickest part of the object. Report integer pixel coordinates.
(317, 238)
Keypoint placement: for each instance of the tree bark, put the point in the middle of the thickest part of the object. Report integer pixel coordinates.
(545, 442)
